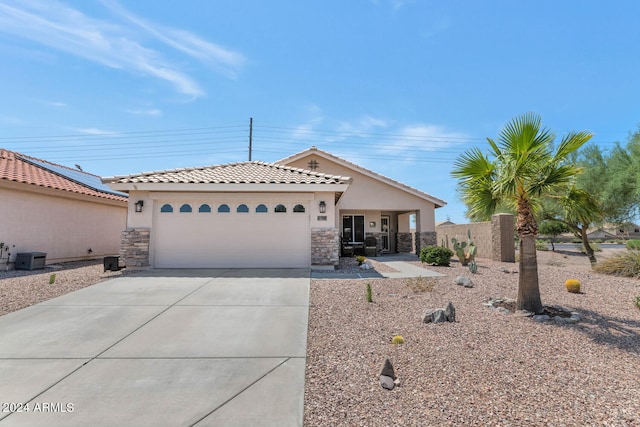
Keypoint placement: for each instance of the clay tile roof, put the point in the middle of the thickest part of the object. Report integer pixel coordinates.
(30, 170)
(233, 173)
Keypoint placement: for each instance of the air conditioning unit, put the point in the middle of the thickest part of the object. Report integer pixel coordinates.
(31, 260)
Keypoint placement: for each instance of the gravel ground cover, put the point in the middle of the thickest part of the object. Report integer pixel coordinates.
(487, 368)
(22, 288)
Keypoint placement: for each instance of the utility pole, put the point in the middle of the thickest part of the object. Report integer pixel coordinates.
(250, 136)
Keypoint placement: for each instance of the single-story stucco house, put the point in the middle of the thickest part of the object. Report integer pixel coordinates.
(63, 212)
(296, 212)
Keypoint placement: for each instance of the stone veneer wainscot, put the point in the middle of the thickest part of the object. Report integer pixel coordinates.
(325, 246)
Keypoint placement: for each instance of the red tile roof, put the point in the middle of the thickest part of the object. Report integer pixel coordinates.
(29, 170)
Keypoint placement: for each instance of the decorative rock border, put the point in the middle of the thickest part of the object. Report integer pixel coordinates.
(563, 316)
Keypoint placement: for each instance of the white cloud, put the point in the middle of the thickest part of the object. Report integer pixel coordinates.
(362, 126)
(149, 112)
(63, 28)
(56, 104)
(225, 60)
(93, 131)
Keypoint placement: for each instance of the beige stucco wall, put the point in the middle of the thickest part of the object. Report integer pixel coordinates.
(62, 224)
(310, 200)
(369, 194)
(153, 200)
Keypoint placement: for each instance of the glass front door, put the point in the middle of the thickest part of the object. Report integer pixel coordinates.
(353, 228)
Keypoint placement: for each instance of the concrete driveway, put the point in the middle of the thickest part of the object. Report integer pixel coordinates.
(166, 347)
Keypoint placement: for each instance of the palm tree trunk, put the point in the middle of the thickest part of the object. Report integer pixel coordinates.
(528, 288)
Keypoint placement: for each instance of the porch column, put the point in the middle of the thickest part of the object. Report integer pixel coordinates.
(325, 246)
(423, 238)
(404, 240)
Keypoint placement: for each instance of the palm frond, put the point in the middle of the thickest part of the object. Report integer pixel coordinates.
(472, 164)
(570, 143)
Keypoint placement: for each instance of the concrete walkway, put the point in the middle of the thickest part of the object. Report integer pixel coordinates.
(163, 348)
(397, 262)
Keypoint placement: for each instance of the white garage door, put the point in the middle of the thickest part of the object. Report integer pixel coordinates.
(231, 235)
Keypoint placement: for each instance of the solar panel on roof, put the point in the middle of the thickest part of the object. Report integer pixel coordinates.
(85, 179)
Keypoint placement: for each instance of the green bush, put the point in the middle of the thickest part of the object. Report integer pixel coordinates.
(436, 255)
(625, 264)
(369, 293)
(636, 301)
(633, 244)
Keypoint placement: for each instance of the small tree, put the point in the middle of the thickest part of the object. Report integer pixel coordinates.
(552, 229)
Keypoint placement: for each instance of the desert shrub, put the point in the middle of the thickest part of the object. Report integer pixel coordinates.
(436, 255)
(369, 293)
(541, 245)
(625, 264)
(421, 284)
(52, 279)
(633, 244)
(636, 301)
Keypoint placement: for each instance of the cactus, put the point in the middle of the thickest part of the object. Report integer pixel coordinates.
(459, 247)
(572, 286)
(398, 339)
(473, 267)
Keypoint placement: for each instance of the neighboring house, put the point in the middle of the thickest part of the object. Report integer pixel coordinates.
(64, 212)
(601, 234)
(292, 213)
(626, 231)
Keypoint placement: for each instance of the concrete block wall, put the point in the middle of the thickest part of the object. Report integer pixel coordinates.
(494, 239)
(325, 246)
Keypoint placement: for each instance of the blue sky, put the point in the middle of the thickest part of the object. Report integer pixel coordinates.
(401, 87)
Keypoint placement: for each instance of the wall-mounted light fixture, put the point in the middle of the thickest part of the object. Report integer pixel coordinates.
(322, 207)
(139, 204)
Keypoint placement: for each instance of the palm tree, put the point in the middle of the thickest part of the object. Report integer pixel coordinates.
(523, 168)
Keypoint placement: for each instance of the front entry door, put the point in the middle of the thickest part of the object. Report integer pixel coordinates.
(384, 230)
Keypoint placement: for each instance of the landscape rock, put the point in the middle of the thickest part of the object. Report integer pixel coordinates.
(387, 375)
(366, 266)
(541, 318)
(438, 316)
(387, 382)
(427, 316)
(463, 281)
(450, 312)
